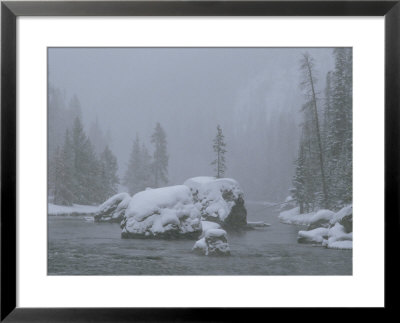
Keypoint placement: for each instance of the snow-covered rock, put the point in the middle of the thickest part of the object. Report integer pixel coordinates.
(313, 236)
(338, 238)
(208, 225)
(321, 219)
(214, 243)
(113, 210)
(219, 200)
(345, 218)
(166, 213)
(334, 231)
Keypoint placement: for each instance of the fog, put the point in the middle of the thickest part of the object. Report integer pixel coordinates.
(253, 93)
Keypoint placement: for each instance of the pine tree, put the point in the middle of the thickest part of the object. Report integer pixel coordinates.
(145, 168)
(86, 167)
(334, 140)
(131, 177)
(64, 174)
(219, 149)
(339, 127)
(108, 173)
(160, 156)
(307, 67)
(75, 109)
(97, 137)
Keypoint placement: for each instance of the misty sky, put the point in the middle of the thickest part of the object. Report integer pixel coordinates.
(253, 93)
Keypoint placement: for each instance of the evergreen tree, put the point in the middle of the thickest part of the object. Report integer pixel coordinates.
(307, 67)
(160, 156)
(86, 166)
(299, 181)
(97, 137)
(145, 177)
(339, 127)
(64, 173)
(75, 109)
(132, 178)
(326, 153)
(108, 173)
(219, 149)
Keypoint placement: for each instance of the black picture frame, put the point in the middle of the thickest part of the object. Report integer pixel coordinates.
(10, 10)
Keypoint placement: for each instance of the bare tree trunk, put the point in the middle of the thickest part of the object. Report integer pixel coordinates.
(321, 160)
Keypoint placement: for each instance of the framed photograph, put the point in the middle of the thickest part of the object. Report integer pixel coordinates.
(175, 155)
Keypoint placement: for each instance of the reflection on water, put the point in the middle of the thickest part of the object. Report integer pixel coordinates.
(76, 247)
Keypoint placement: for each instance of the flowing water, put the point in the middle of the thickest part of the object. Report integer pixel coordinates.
(77, 247)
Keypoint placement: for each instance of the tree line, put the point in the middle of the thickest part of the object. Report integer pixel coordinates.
(145, 170)
(323, 168)
(82, 169)
(78, 175)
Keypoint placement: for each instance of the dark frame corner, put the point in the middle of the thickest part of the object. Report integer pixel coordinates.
(10, 10)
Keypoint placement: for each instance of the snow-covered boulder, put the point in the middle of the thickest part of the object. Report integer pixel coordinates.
(334, 230)
(345, 218)
(219, 200)
(214, 243)
(165, 213)
(207, 225)
(338, 238)
(113, 210)
(321, 219)
(313, 236)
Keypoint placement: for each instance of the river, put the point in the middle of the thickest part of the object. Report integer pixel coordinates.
(77, 247)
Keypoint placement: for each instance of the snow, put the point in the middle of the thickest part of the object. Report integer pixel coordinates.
(201, 246)
(322, 215)
(119, 201)
(146, 203)
(212, 187)
(343, 245)
(293, 216)
(289, 199)
(317, 235)
(214, 243)
(346, 211)
(208, 193)
(208, 225)
(75, 209)
(157, 211)
(337, 237)
(123, 199)
(333, 237)
(215, 233)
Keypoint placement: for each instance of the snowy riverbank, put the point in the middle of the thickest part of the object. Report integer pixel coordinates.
(73, 210)
(331, 230)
